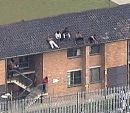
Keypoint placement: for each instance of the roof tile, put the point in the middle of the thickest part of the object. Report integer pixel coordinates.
(29, 37)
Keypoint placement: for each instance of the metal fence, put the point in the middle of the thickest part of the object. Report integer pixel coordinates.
(109, 100)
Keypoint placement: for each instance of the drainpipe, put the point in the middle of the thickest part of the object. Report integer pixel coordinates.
(6, 87)
(105, 73)
(128, 78)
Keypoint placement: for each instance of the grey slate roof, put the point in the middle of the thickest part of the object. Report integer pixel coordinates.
(29, 37)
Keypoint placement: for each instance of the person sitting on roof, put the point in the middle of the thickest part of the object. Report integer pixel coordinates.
(58, 35)
(65, 33)
(79, 37)
(92, 38)
(52, 43)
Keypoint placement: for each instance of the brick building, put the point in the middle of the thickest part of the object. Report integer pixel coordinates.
(72, 67)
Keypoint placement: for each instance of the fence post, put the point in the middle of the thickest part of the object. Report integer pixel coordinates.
(105, 100)
(77, 102)
(50, 104)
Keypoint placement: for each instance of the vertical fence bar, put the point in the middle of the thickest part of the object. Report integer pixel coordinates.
(110, 99)
(113, 102)
(77, 103)
(98, 101)
(128, 99)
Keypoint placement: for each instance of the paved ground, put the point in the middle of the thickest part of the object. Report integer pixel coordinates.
(120, 2)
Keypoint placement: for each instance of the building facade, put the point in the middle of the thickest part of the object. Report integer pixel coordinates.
(71, 68)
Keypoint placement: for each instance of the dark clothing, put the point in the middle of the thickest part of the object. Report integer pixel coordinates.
(90, 39)
(45, 81)
(12, 66)
(65, 31)
(65, 34)
(62, 38)
(78, 40)
(44, 88)
(34, 80)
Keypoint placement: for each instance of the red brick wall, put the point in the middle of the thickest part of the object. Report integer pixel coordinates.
(55, 66)
(116, 54)
(91, 61)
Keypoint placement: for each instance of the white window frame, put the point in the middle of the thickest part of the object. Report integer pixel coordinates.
(93, 67)
(95, 53)
(79, 52)
(68, 77)
(25, 66)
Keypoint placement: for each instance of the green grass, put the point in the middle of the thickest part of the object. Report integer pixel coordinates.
(16, 10)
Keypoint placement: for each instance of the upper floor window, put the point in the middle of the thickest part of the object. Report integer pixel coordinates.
(95, 74)
(24, 62)
(74, 78)
(95, 49)
(73, 52)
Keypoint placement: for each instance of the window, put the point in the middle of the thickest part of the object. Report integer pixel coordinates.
(74, 78)
(24, 62)
(95, 49)
(72, 52)
(95, 74)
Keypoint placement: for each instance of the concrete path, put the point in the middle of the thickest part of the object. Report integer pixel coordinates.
(120, 2)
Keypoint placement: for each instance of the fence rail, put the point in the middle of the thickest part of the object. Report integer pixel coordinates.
(108, 100)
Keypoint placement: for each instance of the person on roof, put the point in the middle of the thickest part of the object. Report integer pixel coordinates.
(92, 39)
(65, 33)
(78, 37)
(52, 43)
(58, 35)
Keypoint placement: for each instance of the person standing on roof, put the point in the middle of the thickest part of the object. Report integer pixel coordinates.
(65, 33)
(52, 43)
